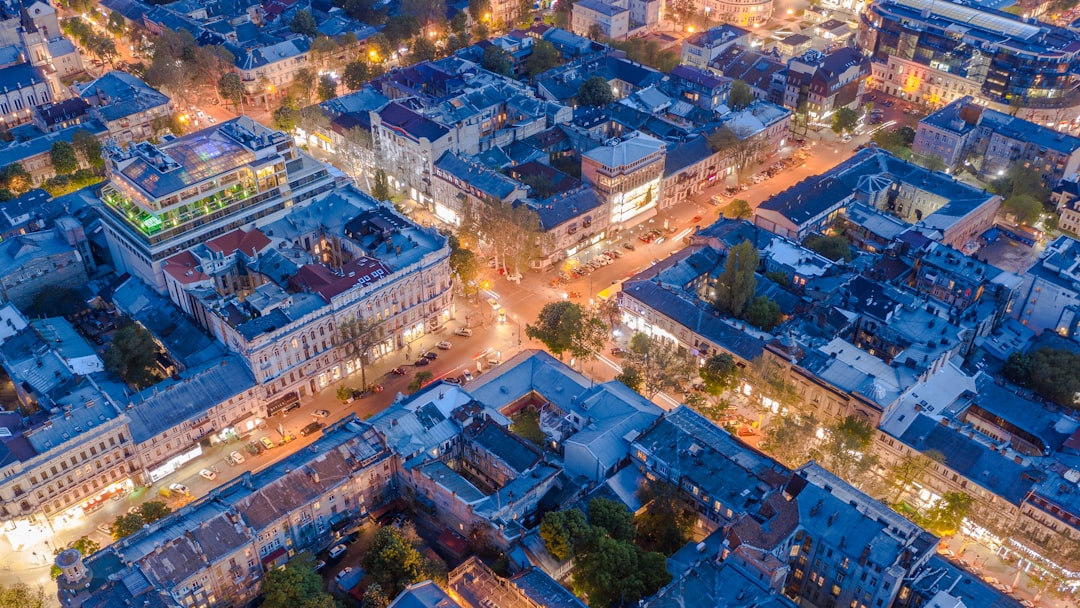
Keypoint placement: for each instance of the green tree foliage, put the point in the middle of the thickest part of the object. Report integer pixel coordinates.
(459, 23)
(933, 162)
(738, 209)
(790, 439)
(835, 247)
(620, 572)
(613, 517)
(910, 469)
(736, 284)
(56, 301)
(1024, 207)
(945, 517)
(741, 96)
(22, 595)
(1021, 180)
(381, 188)
(116, 24)
(631, 376)
(62, 156)
(497, 60)
(463, 264)
(400, 28)
(185, 68)
(719, 373)
(327, 87)
(662, 364)
(63, 184)
(763, 313)
(374, 597)
(1053, 373)
(126, 525)
(898, 140)
(743, 153)
(419, 380)
(230, 88)
(544, 57)
(89, 147)
(667, 520)
(845, 451)
(844, 120)
(285, 116)
(303, 85)
(647, 52)
(394, 562)
(565, 533)
(297, 585)
(422, 50)
(304, 23)
(356, 74)
(131, 356)
(595, 91)
(153, 510)
(556, 326)
(366, 11)
(480, 10)
(14, 181)
(357, 336)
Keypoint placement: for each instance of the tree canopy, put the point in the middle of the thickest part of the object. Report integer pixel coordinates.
(557, 325)
(304, 23)
(667, 520)
(89, 147)
(660, 363)
(62, 156)
(497, 60)
(297, 585)
(719, 373)
(736, 284)
(327, 87)
(22, 595)
(835, 247)
(898, 141)
(738, 209)
(132, 356)
(356, 74)
(394, 562)
(741, 95)
(1050, 372)
(845, 451)
(544, 57)
(595, 91)
(231, 88)
(844, 120)
(946, 515)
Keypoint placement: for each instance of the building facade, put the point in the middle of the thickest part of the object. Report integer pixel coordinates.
(627, 173)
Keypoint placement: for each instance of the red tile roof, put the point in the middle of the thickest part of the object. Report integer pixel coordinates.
(249, 242)
(321, 280)
(184, 267)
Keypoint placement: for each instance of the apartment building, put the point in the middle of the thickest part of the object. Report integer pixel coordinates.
(627, 173)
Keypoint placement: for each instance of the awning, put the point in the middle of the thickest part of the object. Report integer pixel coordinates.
(273, 555)
(281, 403)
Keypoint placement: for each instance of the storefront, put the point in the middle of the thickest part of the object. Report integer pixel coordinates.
(102, 498)
(284, 404)
(171, 465)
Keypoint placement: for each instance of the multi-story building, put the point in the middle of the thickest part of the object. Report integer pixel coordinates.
(1000, 57)
(25, 87)
(823, 83)
(409, 144)
(277, 295)
(699, 86)
(164, 199)
(49, 257)
(627, 173)
(608, 19)
(125, 105)
(751, 13)
(699, 50)
(216, 550)
(575, 224)
(268, 69)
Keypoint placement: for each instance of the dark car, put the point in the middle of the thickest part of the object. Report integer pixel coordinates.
(430, 356)
(398, 371)
(421, 362)
(253, 448)
(311, 428)
(452, 380)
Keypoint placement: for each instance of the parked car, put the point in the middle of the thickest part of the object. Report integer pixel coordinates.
(463, 331)
(618, 352)
(319, 565)
(493, 302)
(629, 245)
(467, 375)
(444, 345)
(337, 551)
(398, 371)
(430, 356)
(266, 443)
(452, 379)
(320, 413)
(311, 428)
(179, 487)
(105, 529)
(208, 474)
(237, 457)
(421, 362)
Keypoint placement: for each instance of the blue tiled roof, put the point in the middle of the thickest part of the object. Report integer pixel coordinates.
(565, 207)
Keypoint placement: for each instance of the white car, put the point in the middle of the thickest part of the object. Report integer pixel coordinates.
(467, 375)
(344, 573)
(463, 331)
(337, 551)
(207, 473)
(178, 487)
(444, 345)
(237, 457)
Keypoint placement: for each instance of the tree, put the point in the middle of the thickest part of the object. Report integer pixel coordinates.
(459, 23)
(56, 301)
(463, 264)
(126, 525)
(736, 284)
(738, 209)
(763, 313)
(845, 449)
(323, 49)
(933, 162)
(116, 24)
(231, 88)
(481, 31)
(556, 326)
(358, 335)
(14, 181)
(132, 356)
(356, 74)
(480, 10)
(497, 60)
(296, 585)
(565, 533)
(790, 439)
(631, 376)
(400, 28)
(844, 120)
(381, 190)
(303, 84)
(285, 117)
(419, 380)
(589, 337)
(374, 597)
(89, 147)
(1024, 207)
(741, 153)
(911, 468)
(618, 572)
(22, 595)
(613, 517)
(595, 92)
(1021, 180)
(741, 95)
(835, 247)
(304, 23)
(661, 363)
(544, 57)
(153, 510)
(898, 141)
(394, 563)
(945, 517)
(422, 50)
(327, 87)
(62, 155)
(719, 373)
(1053, 373)
(667, 519)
